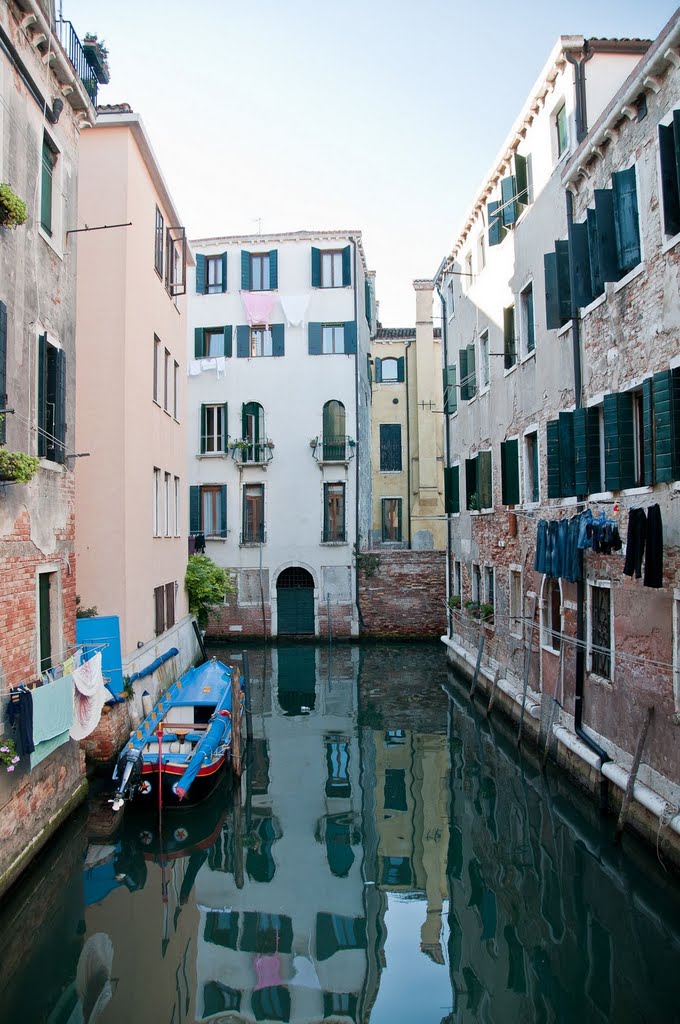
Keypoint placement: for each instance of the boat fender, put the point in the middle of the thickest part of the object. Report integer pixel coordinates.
(225, 713)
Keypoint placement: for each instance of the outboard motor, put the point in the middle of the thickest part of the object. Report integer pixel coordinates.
(128, 774)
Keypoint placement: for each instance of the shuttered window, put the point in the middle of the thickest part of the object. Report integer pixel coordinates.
(159, 606)
(509, 337)
(496, 230)
(561, 456)
(478, 482)
(211, 274)
(208, 510)
(666, 418)
(619, 441)
(212, 341)
(51, 401)
(159, 238)
(450, 390)
(390, 370)
(390, 448)
(391, 520)
(452, 490)
(468, 376)
(669, 152)
(587, 473)
(213, 429)
(510, 472)
(259, 271)
(553, 458)
(509, 206)
(532, 479)
(49, 162)
(169, 605)
(334, 513)
(626, 221)
(253, 514)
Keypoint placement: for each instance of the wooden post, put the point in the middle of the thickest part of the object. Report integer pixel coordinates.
(236, 721)
(527, 666)
(546, 749)
(238, 834)
(492, 695)
(248, 706)
(479, 661)
(633, 775)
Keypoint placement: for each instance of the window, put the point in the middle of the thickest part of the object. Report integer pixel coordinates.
(484, 359)
(168, 506)
(3, 371)
(214, 274)
(509, 339)
(156, 368)
(253, 514)
(510, 472)
(170, 605)
(177, 523)
(159, 605)
(175, 387)
(481, 253)
(175, 261)
(333, 338)
(527, 327)
(489, 585)
(389, 370)
(331, 269)
(516, 602)
(47, 185)
(531, 469)
(166, 382)
(51, 405)
(158, 243)
(213, 342)
(390, 448)
(391, 520)
(561, 130)
(156, 502)
(334, 432)
(213, 429)
(600, 646)
(450, 390)
(337, 767)
(478, 482)
(260, 341)
(467, 272)
(452, 489)
(639, 439)
(252, 430)
(476, 583)
(334, 513)
(259, 271)
(551, 614)
(208, 510)
(669, 153)
(457, 578)
(468, 375)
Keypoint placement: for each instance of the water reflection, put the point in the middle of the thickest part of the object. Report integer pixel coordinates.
(387, 858)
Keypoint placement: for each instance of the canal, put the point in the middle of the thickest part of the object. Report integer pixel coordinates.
(390, 859)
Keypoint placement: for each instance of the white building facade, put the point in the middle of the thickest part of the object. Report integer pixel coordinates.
(279, 426)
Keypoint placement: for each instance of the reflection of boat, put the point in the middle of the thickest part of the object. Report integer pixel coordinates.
(189, 730)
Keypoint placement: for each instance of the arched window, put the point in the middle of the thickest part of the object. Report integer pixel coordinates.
(252, 430)
(551, 613)
(334, 431)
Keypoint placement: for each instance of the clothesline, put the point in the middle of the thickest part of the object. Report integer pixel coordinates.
(93, 646)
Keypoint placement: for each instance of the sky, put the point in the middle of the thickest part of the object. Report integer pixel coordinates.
(381, 116)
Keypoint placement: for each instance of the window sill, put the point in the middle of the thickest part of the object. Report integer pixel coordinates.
(248, 543)
(528, 356)
(565, 328)
(480, 511)
(511, 369)
(670, 243)
(334, 543)
(213, 455)
(387, 472)
(601, 496)
(52, 244)
(549, 650)
(593, 305)
(52, 467)
(600, 680)
(215, 540)
(630, 276)
(156, 403)
(646, 489)
(531, 506)
(515, 636)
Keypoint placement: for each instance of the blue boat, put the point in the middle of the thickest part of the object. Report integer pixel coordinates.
(189, 732)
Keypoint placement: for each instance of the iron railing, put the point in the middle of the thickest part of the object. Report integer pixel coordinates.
(255, 535)
(68, 37)
(329, 448)
(247, 454)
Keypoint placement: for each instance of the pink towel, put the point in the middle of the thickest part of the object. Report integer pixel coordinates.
(258, 307)
(267, 971)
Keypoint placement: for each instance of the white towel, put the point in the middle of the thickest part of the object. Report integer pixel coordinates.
(295, 309)
(208, 364)
(89, 697)
(194, 367)
(221, 366)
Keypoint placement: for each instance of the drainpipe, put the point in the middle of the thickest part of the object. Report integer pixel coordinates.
(408, 444)
(358, 446)
(445, 351)
(580, 89)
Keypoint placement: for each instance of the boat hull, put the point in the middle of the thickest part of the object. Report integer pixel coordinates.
(146, 794)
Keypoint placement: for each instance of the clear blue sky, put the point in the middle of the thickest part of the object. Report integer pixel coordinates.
(381, 115)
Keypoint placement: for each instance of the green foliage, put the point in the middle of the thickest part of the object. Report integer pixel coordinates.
(12, 209)
(454, 602)
(85, 613)
(486, 612)
(128, 688)
(366, 563)
(18, 467)
(8, 754)
(206, 584)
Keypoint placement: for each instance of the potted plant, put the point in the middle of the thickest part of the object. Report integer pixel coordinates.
(473, 608)
(486, 612)
(97, 56)
(17, 466)
(454, 602)
(12, 209)
(240, 444)
(8, 755)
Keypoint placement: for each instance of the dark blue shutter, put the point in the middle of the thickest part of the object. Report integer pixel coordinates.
(626, 221)
(452, 490)
(378, 370)
(606, 234)
(194, 509)
(521, 179)
(647, 431)
(669, 151)
(60, 406)
(316, 268)
(199, 344)
(3, 371)
(619, 441)
(666, 387)
(471, 488)
(278, 335)
(496, 229)
(245, 271)
(400, 369)
(552, 430)
(464, 385)
(350, 337)
(204, 429)
(472, 376)
(223, 510)
(224, 271)
(314, 339)
(587, 476)
(581, 260)
(567, 462)
(227, 341)
(242, 341)
(552, 300)
(347, 266)
(596, 282)
(200, 274)
(509, 202)
(367, 301)
(42, 395)
(510, 472)
(273, 269)
(390, 447)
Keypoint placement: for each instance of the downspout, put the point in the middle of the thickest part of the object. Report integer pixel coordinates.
(7, 45)
(357, 542)
(408, 445)
(445, 352)
(579, 684)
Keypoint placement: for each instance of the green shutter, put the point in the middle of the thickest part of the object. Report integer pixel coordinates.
(552, 429)
(452, 490)
(59, 427)
(273, 269)
(521, 179)
(378, 370)
(510, 472)
(509, 340)
(350, 337)
(245, 271)
(200, 274)
(669, 179)
(48, 163)
(367, 300)
(552, 298)
(347, 266)
(223, 510)
(472, 376)
(278, 339)
(666, 392)
(619, 444)
(596, 282)
(242, 341)
(400, 369)
(496, 229)
(647, 431)
(224, 271)
(314, 339)
(509, 206)
(227, 341)
(3, 371)
(606, 234)
(563, 280)
(464, 386)
(316, 267)
(471, 495)
(450, 391)
(587, 476)
(676, 130)
(194, 509)
(567, 460)
(42, 395)
(199, 344)
(484, 481)
(581, 257)
(626, 220)
(225, 427)
(204, 429)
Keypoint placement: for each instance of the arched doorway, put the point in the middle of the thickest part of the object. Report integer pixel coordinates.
(295, 602)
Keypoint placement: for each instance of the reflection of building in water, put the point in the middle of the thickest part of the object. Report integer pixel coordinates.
(406, 786)
(283, 933)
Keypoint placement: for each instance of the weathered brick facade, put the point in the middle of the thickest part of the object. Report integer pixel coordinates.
(404, 594)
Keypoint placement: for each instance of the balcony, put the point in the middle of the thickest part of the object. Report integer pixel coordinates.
(332, 449)
(74, 50)
(251, 453)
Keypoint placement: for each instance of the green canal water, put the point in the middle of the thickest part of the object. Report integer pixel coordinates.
(389, 858)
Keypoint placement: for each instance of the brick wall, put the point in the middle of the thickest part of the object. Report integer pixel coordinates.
(110, 735)
(406, 594)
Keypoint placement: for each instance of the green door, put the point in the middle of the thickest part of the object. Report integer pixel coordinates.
(295, 602)
(297, 679)
(45, 626)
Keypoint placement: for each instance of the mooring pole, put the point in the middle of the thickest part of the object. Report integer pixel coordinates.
(627, 796)
(248, 696)
(492, 696)
(479, 662)
(159, 737)
(527, 667)
(238, 834)
(236, 721)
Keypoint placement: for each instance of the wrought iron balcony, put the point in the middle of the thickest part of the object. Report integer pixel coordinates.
(251, 453)
(333, 449)
(73, 48)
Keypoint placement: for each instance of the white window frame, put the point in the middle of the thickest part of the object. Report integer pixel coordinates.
(55, 239)
(177, 516)
(336, 333)
(524, 353)
(484, 385)
(516, 615)
(331, 268)
(217, 437)
(476, 583)
(168, 506)
(389, 380)
(667, 241)
(524, 475)
(488, 568)
(175, 391)
(468, 277)
(554, 134)
(266, 341)
(606, 585)
(156, 502)
(545, 606)
(481, 252)
(457, 578)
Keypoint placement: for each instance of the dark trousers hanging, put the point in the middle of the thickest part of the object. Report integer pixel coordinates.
(654, 557)
(635, 542)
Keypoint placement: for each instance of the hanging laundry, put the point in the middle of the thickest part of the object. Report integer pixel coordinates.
(654, 543)
(194, 368)
(199, 543)
(89, 697)
(258, 307)
(221, 366)
(69, 665)
(20, 717)
(267, 971)
(541, 546)
(635, 542)
(52, 718)
(295, 309)
(585, 539)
